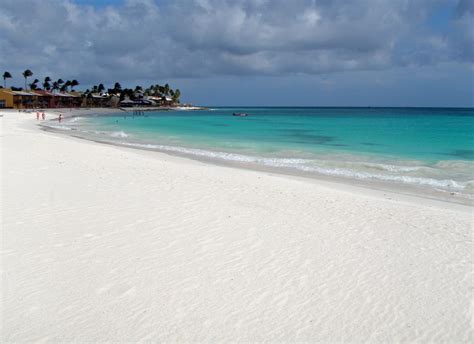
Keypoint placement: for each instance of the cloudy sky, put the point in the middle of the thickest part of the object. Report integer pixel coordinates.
(252, 52)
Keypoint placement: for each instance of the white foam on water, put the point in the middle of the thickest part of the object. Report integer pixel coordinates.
(442, 183)
(393, 168)
(408, 172)
(120, 134)
(60, 127)
(73, 120)
(309, 165)
(220, 155)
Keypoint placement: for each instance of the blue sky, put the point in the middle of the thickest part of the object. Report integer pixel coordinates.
(440, 17)
(99, 3)
(252, 52)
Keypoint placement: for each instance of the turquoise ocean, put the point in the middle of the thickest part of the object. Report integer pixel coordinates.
(425, 148)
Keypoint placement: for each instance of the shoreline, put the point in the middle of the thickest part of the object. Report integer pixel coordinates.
(396, 188)
(87, 111)
(398, 192)
(101, 243)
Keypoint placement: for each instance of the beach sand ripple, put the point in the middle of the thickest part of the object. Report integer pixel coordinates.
(102, 243)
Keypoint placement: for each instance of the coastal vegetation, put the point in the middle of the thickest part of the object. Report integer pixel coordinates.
(98, 94)
(26, 74)
(6, 76)
(153, 95)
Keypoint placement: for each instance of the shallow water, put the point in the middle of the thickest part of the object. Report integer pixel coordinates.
(426, 147)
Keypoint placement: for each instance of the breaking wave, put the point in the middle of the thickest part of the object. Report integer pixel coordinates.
(120, 134)
(361, 171)
(449, 175)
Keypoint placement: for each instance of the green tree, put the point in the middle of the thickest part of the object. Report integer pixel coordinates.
(74, 83)
(26, 74)
(161, 90)
(176, 96)
(46, 83)
(33, 85)
(127, 92)
(6, 76)
(101, 88)
(55, 86)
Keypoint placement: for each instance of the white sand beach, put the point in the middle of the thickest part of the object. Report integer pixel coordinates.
(109, 244)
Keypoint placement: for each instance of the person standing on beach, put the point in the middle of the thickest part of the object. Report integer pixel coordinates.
(43, 116)
(60, 118)
(37, 115)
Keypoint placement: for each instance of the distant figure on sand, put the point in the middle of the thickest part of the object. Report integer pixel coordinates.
(60, 117)
(37, 115)
(43, 116)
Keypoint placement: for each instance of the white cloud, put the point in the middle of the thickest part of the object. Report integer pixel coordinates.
(144, 39)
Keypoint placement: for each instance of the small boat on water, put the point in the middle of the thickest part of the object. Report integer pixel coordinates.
(240, 114)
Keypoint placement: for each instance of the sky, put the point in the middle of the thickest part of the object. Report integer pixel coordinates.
(251, 52)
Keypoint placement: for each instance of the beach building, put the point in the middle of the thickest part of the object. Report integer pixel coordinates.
(49, 99)
(6, 98)
(42, 100)
(37, 99)
(17, 99)
(127, 102)
(67, 100)
(163, 100)
(96, 100)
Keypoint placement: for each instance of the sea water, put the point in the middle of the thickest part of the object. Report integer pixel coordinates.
(430, 148)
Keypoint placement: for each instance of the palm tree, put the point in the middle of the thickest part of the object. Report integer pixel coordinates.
(95, 89)
(26, 74)
(67, 84)
(60, 82)
(101, 88)
(55, 86)
(176, 96)
(46, 84)
(6, 76)
(74, 83)
(33, 84)
(166, 89)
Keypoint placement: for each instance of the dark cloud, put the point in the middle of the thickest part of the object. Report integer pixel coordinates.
(463, 30)
(145, 39)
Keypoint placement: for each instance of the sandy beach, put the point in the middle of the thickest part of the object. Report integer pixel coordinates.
(109, 244)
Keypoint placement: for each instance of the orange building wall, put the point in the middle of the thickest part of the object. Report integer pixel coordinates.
(7, 96)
